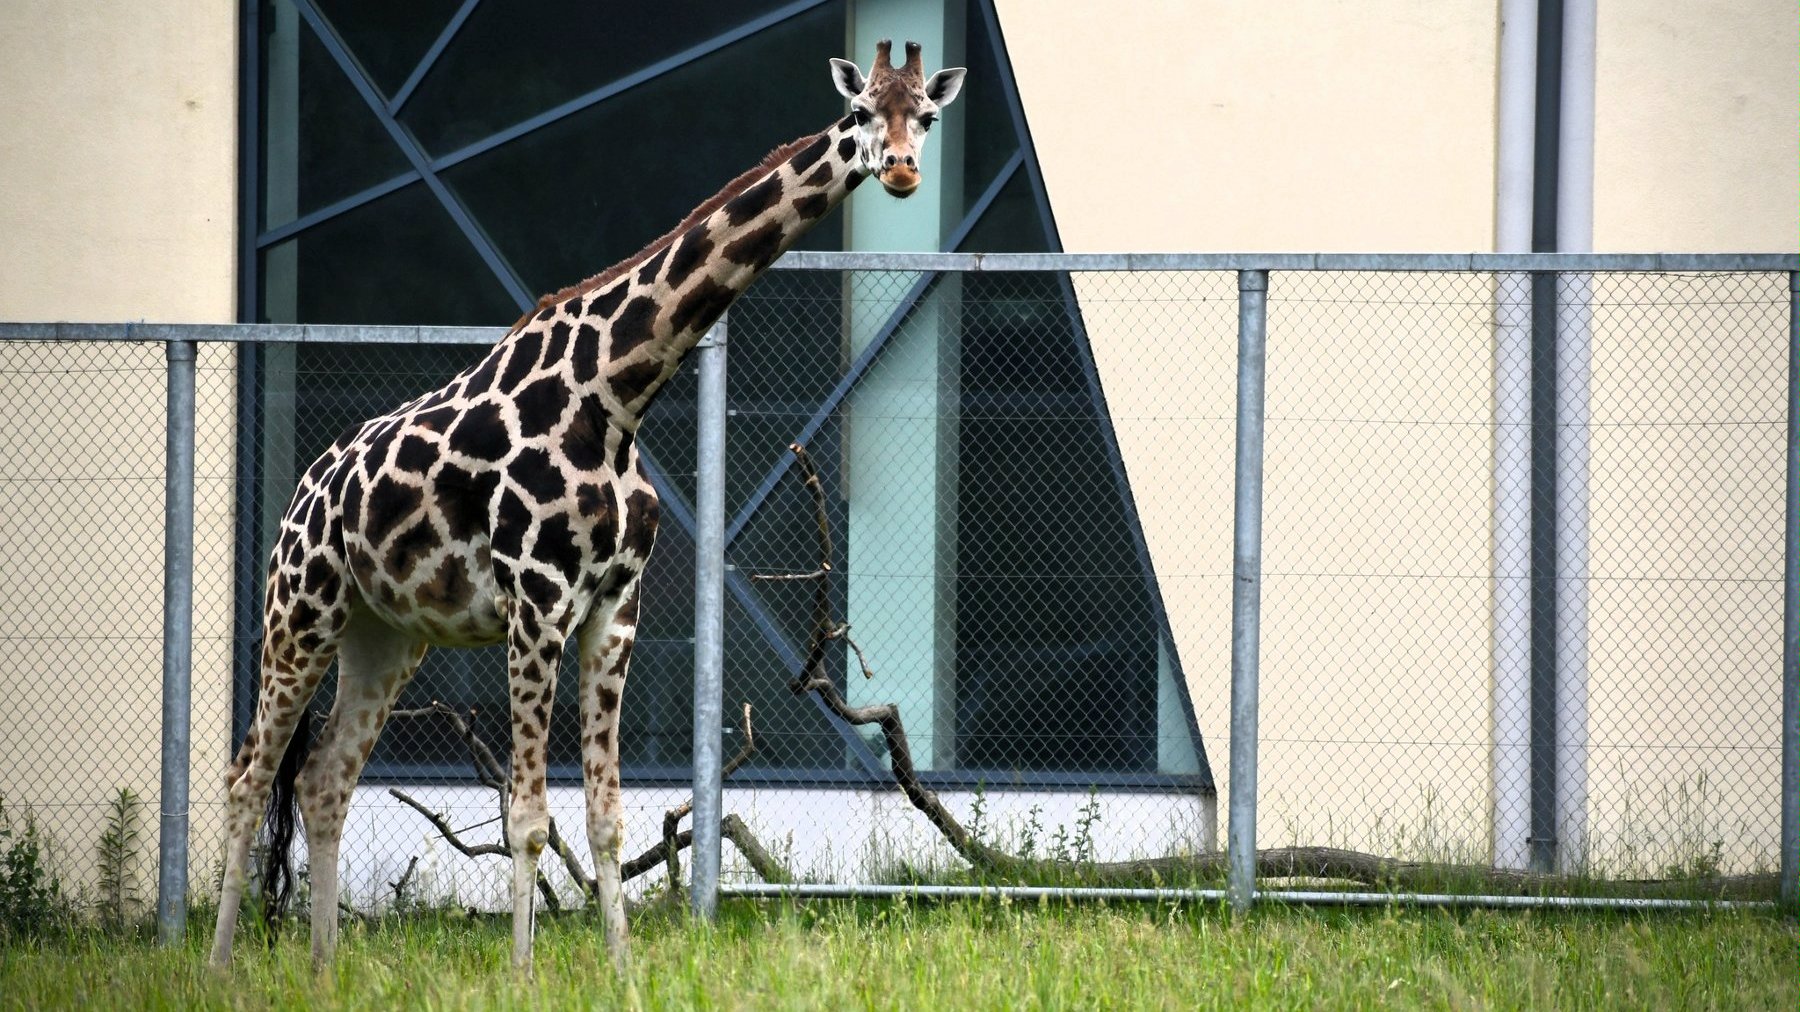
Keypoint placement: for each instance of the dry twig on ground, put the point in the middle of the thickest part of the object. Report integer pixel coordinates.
(490, 774)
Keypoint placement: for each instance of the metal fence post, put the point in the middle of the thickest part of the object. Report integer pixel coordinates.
(1246, 584)
(709, 618)
(178, 634)
(1790, 620)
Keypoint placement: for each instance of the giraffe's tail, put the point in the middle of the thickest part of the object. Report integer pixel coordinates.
(278, 869)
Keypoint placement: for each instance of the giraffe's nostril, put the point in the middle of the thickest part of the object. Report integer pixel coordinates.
(890, 161)
(910, 163)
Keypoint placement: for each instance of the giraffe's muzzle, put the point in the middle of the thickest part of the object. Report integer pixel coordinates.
(900, 179)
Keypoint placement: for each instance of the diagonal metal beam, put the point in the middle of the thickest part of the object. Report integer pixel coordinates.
(335, 208)
(517, 130)
(359, 79)
(430, 58)
(626, 83)
(866, 360)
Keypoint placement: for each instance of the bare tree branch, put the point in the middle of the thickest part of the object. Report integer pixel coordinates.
(442, 825)
(761, 861)
(886, 716)
(817, 574)
(399, 887)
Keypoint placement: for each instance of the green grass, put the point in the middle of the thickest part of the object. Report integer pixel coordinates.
(968, 955)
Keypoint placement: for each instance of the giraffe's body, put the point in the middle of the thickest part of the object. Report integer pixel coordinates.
(509, 506)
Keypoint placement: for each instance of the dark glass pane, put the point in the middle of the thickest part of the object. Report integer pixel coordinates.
(399, 260)
(320, 141)
(987, 123)
(787, 352)
(516, 58)
(576, 196)
(1011, 224)
(792, 733)
(389, 38)
(1054, 618)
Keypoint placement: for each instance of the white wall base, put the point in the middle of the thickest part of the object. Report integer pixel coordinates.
(824, 835)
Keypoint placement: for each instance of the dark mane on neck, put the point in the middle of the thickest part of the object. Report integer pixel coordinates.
(713, 203)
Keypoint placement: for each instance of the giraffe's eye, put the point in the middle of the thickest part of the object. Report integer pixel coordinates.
(862, 115)
(926, 122)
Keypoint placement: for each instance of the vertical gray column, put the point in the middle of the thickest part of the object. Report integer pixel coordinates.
(1790, 620)
(709, 618)
(1514, 181)
(178, 638)
(1246, 585)
(1574, 234)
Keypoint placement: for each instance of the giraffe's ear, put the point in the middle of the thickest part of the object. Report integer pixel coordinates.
(945, 85)
(848, 79)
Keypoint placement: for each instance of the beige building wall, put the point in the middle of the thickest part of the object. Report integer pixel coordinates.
(1695, 116)
(1371, 127)
(1694, 150)
(117, 200)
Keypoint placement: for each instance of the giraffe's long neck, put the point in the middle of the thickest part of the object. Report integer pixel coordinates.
(631, 333)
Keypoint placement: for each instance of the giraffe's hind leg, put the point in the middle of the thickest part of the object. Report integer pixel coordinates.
(298, 645)
(534, 649)
(605, 643)
(375, 661)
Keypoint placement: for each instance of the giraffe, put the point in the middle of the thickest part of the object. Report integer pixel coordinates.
(510, 506)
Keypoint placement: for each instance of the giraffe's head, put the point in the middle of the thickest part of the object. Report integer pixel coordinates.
(894, 108)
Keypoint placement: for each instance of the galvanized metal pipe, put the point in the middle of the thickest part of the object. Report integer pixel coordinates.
(709, 619)
(1511, 661)
(827, 890)
(1790, 621)
(178, 640)
(1325, 898)
(820, 890)
(1246, 585)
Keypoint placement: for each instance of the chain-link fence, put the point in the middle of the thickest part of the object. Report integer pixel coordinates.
(1520, 565)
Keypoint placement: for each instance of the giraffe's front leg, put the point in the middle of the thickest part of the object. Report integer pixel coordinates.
(605, 645)
(533, 652)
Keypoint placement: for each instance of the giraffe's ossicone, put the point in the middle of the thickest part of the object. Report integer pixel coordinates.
(509, 506)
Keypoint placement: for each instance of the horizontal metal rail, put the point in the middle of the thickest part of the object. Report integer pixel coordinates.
(821, 890)
(250, 333)
(315, 333)
(1582, 262)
